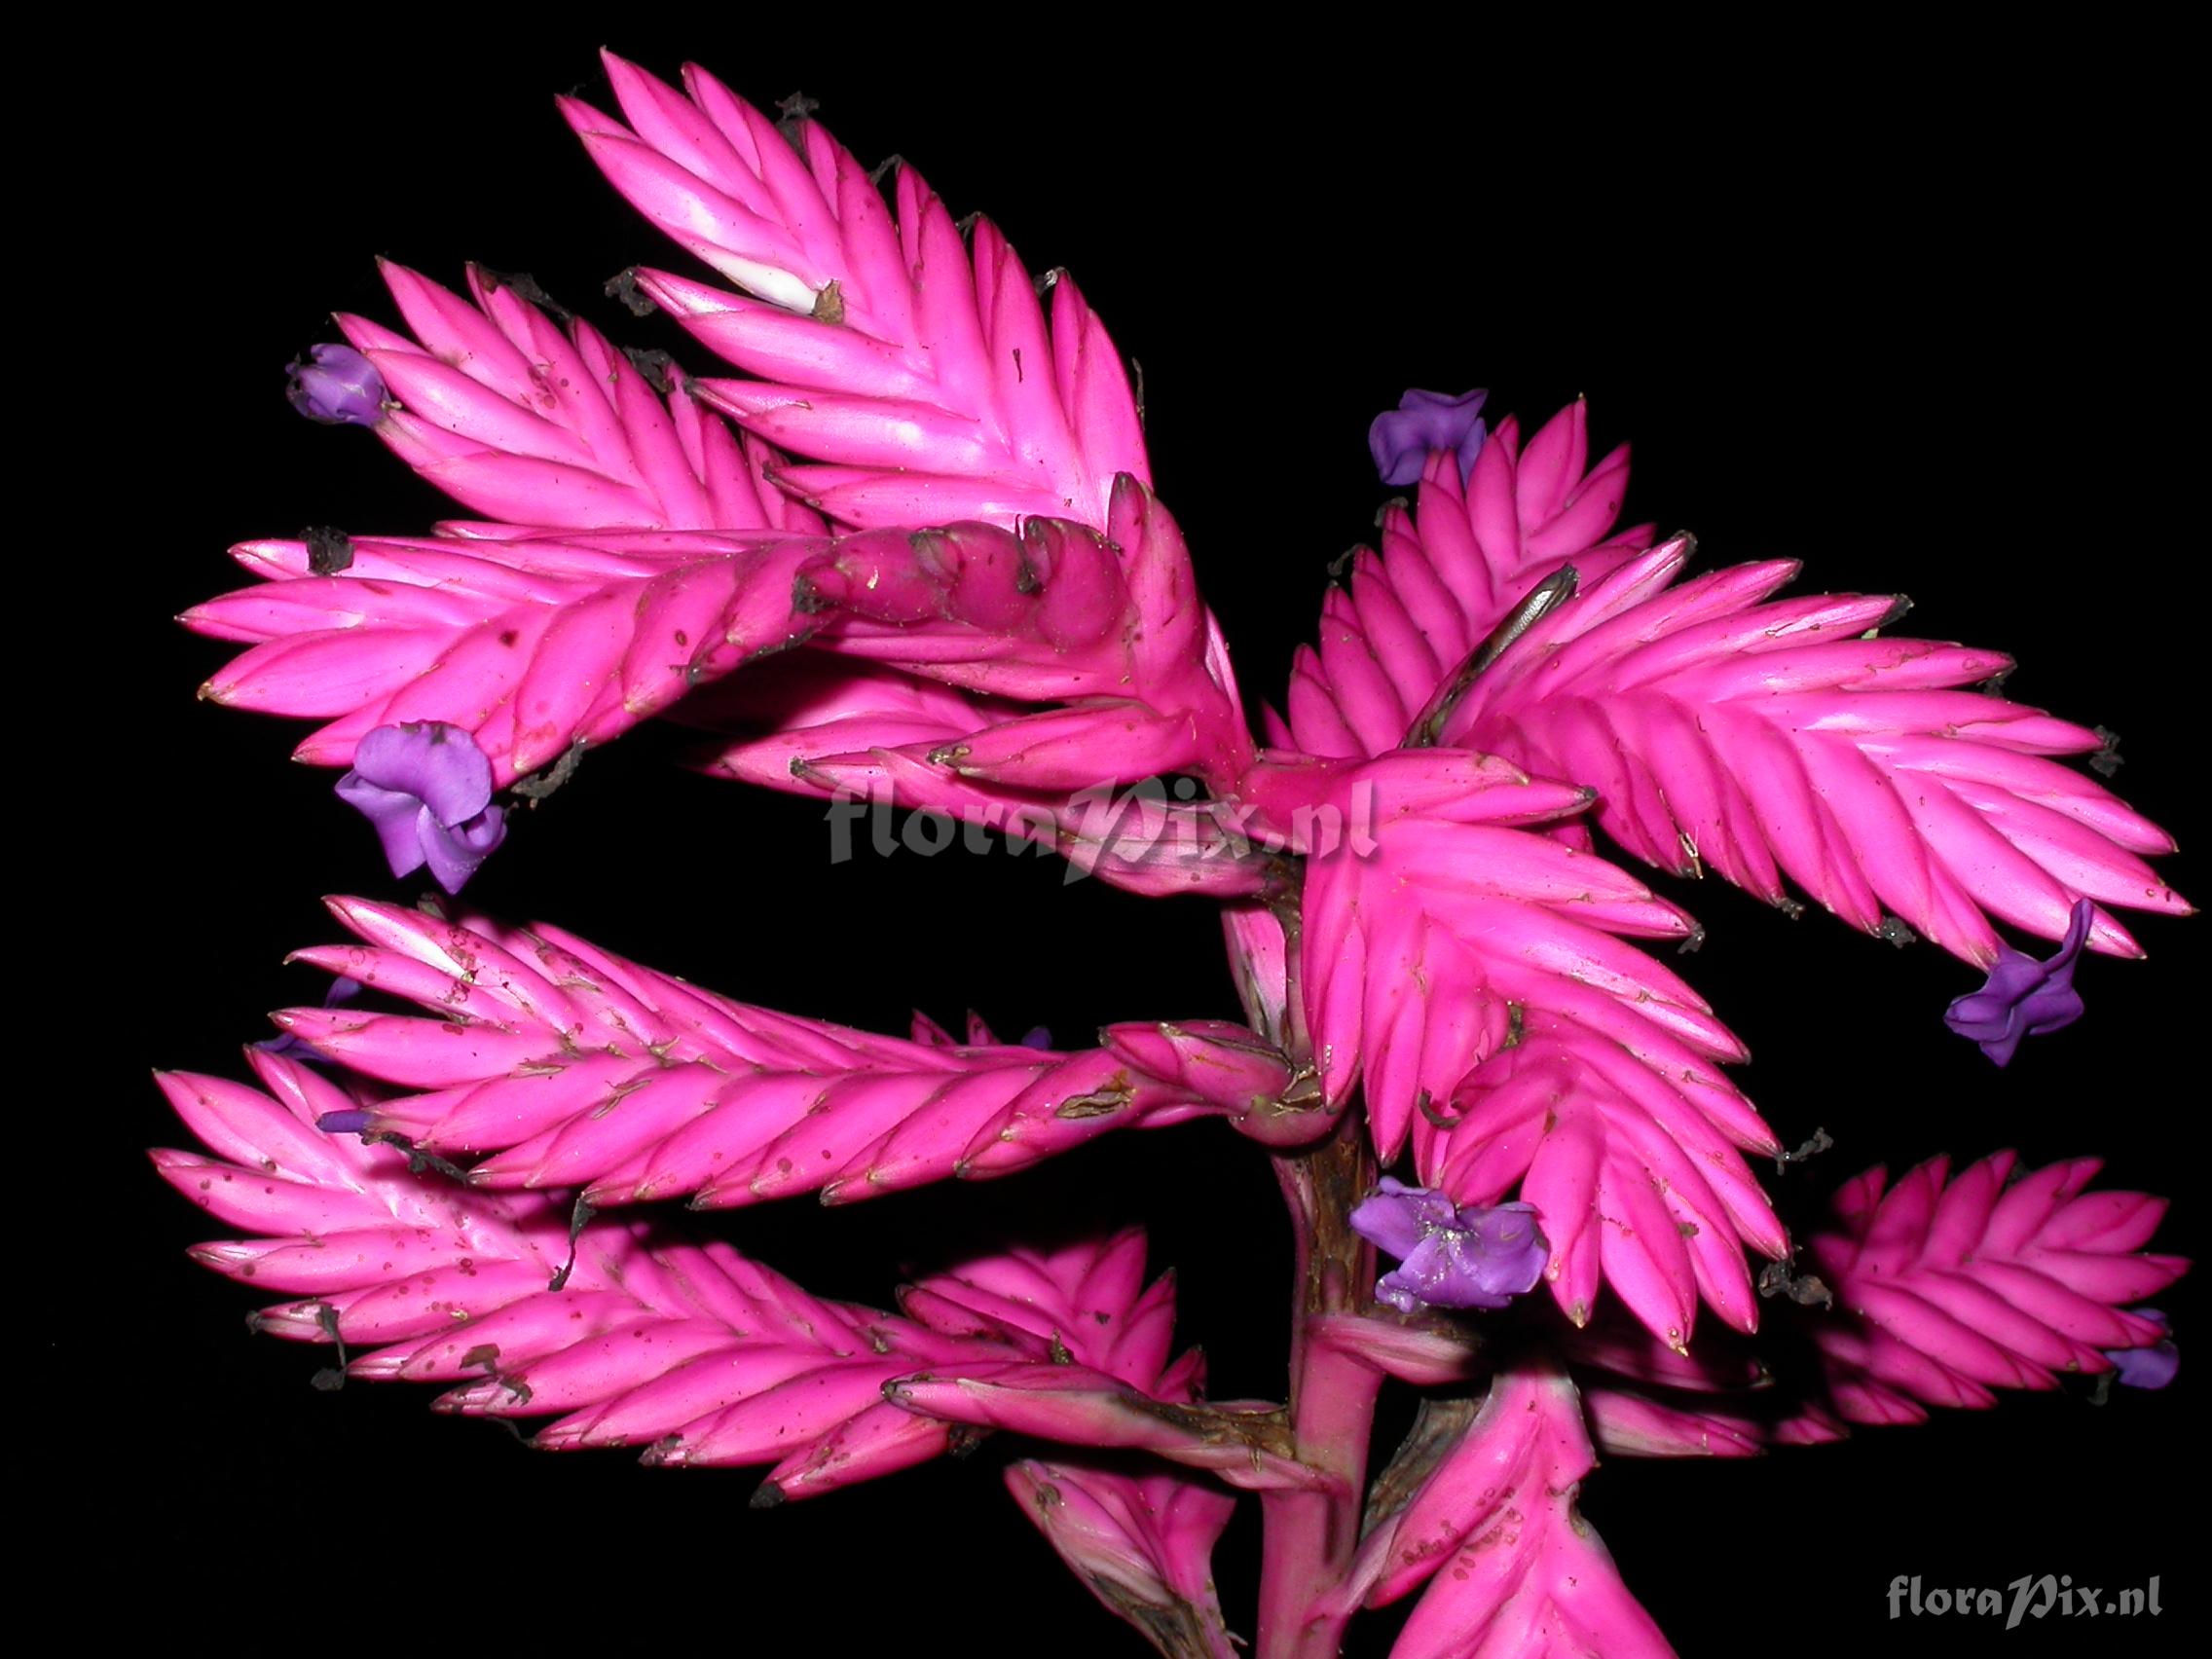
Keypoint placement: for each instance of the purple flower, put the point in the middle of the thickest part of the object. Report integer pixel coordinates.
(338, 387)
(358, 1121)
(342, 992)
(2152, 1367)
(2024, 997)
(1450, 1257)
(427, 789)
(1424, 421)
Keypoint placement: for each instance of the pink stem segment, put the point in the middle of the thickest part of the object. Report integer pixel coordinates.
(1310, 1536)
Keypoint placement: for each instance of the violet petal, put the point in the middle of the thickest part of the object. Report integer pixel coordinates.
(456, 852)
(2150, 1366)
(337, 385)
(427, 789)
(1401, 439)
(342, 990)
(1395, 1218)
(440, 765)
(393, 816)
(1450, 1257)
(2023, 997)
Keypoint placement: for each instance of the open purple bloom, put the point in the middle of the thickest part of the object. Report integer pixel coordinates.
(1448, 1257)
(2152, 1367)
(338, 387)
(1424, 420)
(427, 789)
(2024, 997)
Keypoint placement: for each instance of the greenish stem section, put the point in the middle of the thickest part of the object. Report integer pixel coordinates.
(1310, 1536)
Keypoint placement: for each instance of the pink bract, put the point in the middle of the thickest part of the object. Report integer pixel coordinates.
(902, 541)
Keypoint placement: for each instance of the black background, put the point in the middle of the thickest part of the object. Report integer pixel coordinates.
(1924, 330)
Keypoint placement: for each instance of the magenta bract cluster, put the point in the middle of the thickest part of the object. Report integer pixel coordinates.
(900, 541)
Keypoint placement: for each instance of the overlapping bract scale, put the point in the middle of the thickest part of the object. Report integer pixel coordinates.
(999, 617)
(547, 426)
(1105, 1379)
(927, 380)
(1934, 1292)
(1759, 739)
(1474, 986)
(1793, 738)
(1716, 1398)
(1448, 572)
(572, 1068)
(1629, 1423)
(1141, 1543)
(393, 1256)
(930, 643)
(920, 372)
(630, 550)
(1635, 1163)
(628, 1335)
(1491, 1526)
(1107, 624)
(535, 645)
(531, 647)
(1947, 1287)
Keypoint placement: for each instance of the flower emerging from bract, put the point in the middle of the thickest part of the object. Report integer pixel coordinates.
(1401, 438)
(1448, 1257)
(427, 789)
(343, 990)
(2152, 1367)
(2024, 997)
(338, 387)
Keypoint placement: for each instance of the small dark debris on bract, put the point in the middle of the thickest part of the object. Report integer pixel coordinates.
(623, 286)
(329, 550)
(1778, 1278)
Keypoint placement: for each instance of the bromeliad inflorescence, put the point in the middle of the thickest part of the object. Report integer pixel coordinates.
(908, 532)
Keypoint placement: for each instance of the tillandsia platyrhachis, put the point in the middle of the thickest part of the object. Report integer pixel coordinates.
(902, 544)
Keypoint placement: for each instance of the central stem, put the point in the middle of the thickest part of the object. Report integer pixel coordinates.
(1312, 1536)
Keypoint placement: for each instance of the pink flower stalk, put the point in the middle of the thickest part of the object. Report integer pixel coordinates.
(903, 546)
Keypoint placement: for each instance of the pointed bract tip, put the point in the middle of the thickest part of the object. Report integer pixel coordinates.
(766, 1495)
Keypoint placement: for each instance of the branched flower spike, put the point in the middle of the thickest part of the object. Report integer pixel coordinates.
(901, 544)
